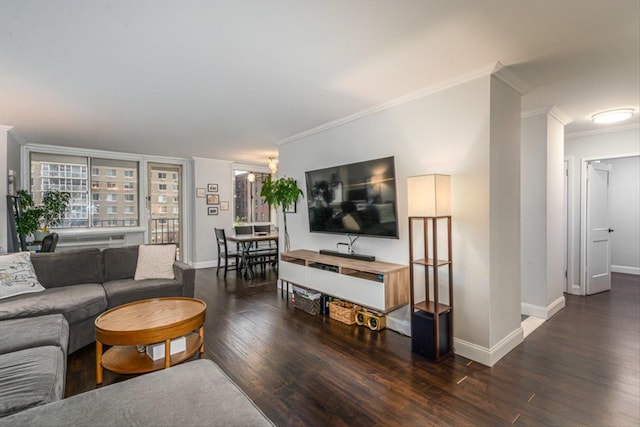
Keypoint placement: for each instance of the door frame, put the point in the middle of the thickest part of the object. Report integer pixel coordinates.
(583, 213)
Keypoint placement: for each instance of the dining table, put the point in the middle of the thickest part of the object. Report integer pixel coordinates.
(246, 242)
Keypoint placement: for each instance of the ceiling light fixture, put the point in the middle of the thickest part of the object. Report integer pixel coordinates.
(273, 165)
(612, 116)
(251, 177)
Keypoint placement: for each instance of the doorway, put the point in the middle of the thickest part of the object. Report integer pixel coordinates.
(164, 205)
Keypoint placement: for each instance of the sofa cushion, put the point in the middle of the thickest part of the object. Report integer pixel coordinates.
(75, 302)
(128, 290)
(120, 263)
(17, 275)
(31, 377)
(155, 262)
(20, 334)
(69, 267)
(195, 393)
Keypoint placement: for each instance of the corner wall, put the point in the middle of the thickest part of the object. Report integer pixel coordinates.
(451, 132)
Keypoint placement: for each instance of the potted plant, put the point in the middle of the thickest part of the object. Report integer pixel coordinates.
(38, 219)
(282, 192)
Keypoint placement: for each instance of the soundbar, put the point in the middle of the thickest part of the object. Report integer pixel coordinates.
(359, 257)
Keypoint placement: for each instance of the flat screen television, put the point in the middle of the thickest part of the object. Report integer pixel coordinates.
(356, 198)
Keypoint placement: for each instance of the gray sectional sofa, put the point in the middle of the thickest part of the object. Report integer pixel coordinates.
(82, 284)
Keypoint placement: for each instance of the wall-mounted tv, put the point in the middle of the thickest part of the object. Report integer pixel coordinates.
(357, 198)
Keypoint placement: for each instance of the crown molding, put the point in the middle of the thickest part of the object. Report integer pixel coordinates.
(552, 111)
(614, 129)
(5, 128)
(494, 67)
(508, 77)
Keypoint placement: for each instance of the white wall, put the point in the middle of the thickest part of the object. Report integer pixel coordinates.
(614, 144)
(445, 132)
(210, 171)
(625, 214)
(543, 218)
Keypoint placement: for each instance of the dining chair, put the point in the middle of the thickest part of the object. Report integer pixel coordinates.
(268, 249)
(224, 253)
(49, 243)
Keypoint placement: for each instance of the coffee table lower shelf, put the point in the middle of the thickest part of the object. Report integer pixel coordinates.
(128, 360)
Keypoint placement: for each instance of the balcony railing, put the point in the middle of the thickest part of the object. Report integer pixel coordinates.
(165, 230)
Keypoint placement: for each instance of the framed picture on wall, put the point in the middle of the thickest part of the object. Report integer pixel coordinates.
(212, 210)
(212, 188)
(224, 206)
(200, 192)
(213, 199)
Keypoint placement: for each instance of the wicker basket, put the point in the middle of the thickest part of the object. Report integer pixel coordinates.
(307, 305)
(306, 300)
(343, 311)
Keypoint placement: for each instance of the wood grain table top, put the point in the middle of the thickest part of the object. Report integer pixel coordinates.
(151, 319)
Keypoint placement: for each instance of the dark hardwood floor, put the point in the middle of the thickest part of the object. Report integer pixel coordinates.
(582, 367)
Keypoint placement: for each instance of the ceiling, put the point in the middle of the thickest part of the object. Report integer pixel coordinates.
(228, 79)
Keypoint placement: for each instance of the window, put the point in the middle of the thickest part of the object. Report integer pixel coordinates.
(174, 176)
(176, 210)
(162, 199)
(93, 203)
(175, 187)
(174, 199)
(162, 175)
(248, 204)
(162, 209)
(129, 210)
(162, 187)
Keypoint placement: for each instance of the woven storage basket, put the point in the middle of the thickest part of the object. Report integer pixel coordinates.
(343, 311)
(307, 305)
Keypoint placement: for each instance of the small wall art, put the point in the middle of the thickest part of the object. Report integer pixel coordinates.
(212, 188)
(212, 210)
(213, 199)
(224, 206)
(200, 192)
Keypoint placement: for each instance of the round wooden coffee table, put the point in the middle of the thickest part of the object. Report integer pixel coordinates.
(148, 322)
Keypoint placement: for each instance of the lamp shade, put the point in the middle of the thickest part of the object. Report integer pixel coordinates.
(429, 195)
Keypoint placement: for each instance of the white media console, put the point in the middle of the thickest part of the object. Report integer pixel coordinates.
(381, 286)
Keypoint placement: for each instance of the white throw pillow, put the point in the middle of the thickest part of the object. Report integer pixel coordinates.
(155, 262)
(17, 275)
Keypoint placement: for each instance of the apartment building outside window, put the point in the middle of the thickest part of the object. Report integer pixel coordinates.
(88, 191)
(248, 204)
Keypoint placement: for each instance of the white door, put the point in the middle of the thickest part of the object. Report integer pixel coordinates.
(598, 242)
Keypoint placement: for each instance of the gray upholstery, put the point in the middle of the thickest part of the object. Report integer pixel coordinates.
(76, 302)
(120, 263)
(128, 290)
(31, 377)
(69, 267)
(74, 281)
(195, 393)
(20, 334)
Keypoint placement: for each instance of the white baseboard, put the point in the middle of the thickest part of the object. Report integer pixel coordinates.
(625, 269)
(204, 264)
(489, 356)
(400, 326)
(543, 312)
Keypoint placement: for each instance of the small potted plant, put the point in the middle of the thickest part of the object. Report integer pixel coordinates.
(282, 192)
(35, 219)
